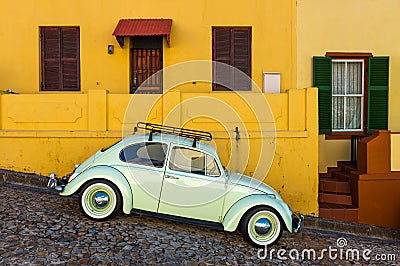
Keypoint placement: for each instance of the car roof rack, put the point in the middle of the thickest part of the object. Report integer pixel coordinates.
(196, 135)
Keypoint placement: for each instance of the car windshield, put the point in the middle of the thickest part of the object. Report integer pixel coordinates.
(227, 172)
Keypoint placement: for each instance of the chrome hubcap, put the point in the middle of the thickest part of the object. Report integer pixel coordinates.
(101, 199)
(262, 226)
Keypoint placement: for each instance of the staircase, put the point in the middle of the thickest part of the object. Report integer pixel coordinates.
(336, 197)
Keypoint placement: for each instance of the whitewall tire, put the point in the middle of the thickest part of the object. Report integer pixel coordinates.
(261, 226)
(100, 200)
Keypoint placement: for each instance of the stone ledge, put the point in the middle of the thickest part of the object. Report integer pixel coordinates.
(12, 177)
(352, 228)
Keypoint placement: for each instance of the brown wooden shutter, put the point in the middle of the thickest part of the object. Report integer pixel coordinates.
(60, 58)
(242, 57)
(221, 53)
(222, 45)
(232, 46)
(50, 42)
(70, 59)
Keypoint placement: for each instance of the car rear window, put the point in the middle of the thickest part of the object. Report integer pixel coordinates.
(148, 153)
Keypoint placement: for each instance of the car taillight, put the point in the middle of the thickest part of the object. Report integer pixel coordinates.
(66, 178)
(69, 175)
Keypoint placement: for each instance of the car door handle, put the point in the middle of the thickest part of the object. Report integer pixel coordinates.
(171, 177)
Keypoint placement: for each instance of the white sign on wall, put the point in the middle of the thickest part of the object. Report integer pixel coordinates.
(271, 82)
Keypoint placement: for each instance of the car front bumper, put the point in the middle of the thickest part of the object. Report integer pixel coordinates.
(297, 220)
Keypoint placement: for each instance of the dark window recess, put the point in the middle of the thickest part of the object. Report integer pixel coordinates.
(60, 59)
(146, 60)
(232, 46)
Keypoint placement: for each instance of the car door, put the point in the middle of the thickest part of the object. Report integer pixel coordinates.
(144, 167)
(193, 185)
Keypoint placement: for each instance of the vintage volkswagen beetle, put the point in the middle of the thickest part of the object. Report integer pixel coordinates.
(169, 173)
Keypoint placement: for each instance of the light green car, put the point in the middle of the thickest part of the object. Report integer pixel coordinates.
(169, 173)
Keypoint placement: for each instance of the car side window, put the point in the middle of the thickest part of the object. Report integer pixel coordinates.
(147, 153)
(192, 161)
(212, 166)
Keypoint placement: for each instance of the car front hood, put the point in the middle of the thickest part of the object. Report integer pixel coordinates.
(252, 183)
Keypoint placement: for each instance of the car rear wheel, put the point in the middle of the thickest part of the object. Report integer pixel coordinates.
(261, 226)
(100, 200)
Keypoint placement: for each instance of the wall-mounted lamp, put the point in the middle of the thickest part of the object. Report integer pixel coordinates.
(110, 49)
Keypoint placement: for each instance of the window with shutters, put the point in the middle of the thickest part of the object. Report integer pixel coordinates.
(231, 46)
(352, 93)
(60, 64)
(347, 95)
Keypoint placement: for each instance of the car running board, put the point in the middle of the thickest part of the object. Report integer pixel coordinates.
(213, 225)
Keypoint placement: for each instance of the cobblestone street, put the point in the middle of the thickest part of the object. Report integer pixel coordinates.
(41, 228)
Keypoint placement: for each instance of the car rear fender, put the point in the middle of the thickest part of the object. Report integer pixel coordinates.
(235, 213)
(107, 173)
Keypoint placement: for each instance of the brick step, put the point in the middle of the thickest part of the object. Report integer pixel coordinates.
(338, 212)
(329, 172)
(335, 198)
(342, 166)
(334, 185)
(348, 168)
(341, 176)
(345, 163)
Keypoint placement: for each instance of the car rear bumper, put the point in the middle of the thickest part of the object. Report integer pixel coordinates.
(57, 183)
(297, 220)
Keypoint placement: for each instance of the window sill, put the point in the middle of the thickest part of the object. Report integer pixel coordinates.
(345, 135)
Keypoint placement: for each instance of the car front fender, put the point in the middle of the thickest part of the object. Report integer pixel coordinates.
(235, 213)
(107, 173)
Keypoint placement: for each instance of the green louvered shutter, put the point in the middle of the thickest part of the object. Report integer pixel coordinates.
(322, 78)
(378, 89)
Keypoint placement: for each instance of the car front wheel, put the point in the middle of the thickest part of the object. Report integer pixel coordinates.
(261, 226)
(100, 200)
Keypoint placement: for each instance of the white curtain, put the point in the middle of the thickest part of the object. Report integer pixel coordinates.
(347, 95)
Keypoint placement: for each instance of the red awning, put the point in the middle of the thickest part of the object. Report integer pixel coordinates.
(142, 27)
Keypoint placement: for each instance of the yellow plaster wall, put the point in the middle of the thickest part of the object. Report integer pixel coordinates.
(272, 22)
(43, 153)
(395, 150)
(41, 149)
(348, 26)
(294, 171)
(44, 112)
(332, 151)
